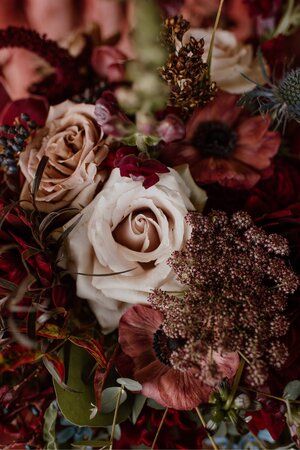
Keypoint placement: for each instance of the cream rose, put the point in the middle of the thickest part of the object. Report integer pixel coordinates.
(129, 228)
(72, 140)
(230, 61)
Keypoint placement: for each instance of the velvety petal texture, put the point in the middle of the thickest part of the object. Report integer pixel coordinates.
(131, 229)
(167, 386)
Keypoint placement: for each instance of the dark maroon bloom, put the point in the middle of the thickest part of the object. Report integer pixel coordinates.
(136, 165)
(270, 417)
(177, 432)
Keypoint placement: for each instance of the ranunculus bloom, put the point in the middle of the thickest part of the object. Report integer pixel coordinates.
(230, 61)
(223, 145)
(128, 228)
(167, 386)
(72, 141)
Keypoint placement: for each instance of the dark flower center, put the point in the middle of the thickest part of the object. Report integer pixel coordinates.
(164, 346)
(215, 139)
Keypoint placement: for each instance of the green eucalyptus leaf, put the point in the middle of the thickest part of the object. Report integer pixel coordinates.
(130, 384)
(49, 426)
(138, 404)
(109, 399)
(153, 404)
(75, 406)
(292, 390)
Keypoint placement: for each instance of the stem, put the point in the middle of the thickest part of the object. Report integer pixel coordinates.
(235, 385)
(115, 417)
(211, 45)
(258, 441)
(159, 428)
(207, 432)
(269, 395)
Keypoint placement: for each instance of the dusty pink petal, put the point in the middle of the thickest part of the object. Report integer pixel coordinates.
(136, 329)
(252, 130)
(229, 173)
(222, 109)
(57, 18)
(108, 14)
(259, 156)
(109, 63)
(150, 377)
(181, 390)
(238, 13)
(228, 364)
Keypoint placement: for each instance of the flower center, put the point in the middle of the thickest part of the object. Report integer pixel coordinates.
(215, 139)
(164, 346)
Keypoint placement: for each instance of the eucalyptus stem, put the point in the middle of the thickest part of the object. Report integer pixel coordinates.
(207, 432)
(211, 45)
(115, 417)
(159, 428)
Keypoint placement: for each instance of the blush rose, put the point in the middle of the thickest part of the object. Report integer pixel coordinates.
(72, 140)
(127, 234)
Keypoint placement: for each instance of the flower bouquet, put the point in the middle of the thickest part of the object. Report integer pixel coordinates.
(149, 224)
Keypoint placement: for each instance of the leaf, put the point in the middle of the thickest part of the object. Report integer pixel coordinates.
(96, 444)
(130, 384)
(52, 331)
(55, 366)
(139, 402)
(109, 398)
(38, 176)
(153, 404)
(66, 232)
(292, 390)
(75, 406)
(49, 426)
(92, 346)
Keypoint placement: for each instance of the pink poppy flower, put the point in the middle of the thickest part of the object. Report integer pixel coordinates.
(146, 351)
(223, 144)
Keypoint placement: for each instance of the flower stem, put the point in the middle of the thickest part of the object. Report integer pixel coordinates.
(268, 395)
(211, 45)
(258, 441)
(207, 432)
(235, 385)
(159, 428)
(115, 417)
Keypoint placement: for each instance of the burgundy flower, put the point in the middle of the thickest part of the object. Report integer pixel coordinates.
(147, 350)
(270, 417)
(224, 145)
(177, 432)
(136, 165)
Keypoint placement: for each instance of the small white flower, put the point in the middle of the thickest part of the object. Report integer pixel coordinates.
(94, 411)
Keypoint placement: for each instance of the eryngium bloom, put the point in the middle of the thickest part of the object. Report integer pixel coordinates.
(237, 285)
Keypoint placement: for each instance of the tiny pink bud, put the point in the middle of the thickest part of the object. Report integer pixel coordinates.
(171, 129)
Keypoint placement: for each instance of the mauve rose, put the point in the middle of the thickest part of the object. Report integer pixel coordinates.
(72, 140)
(129, 228)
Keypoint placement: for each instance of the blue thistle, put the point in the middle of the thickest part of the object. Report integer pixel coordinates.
(281, 100)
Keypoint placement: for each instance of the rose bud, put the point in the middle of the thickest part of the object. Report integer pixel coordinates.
(171, 129)
(106, 107)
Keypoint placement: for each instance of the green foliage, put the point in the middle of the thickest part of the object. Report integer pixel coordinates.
(49, 427)
(75, 406)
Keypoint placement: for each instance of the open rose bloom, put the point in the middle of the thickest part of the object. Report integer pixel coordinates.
(130, 229)
(72, 141)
